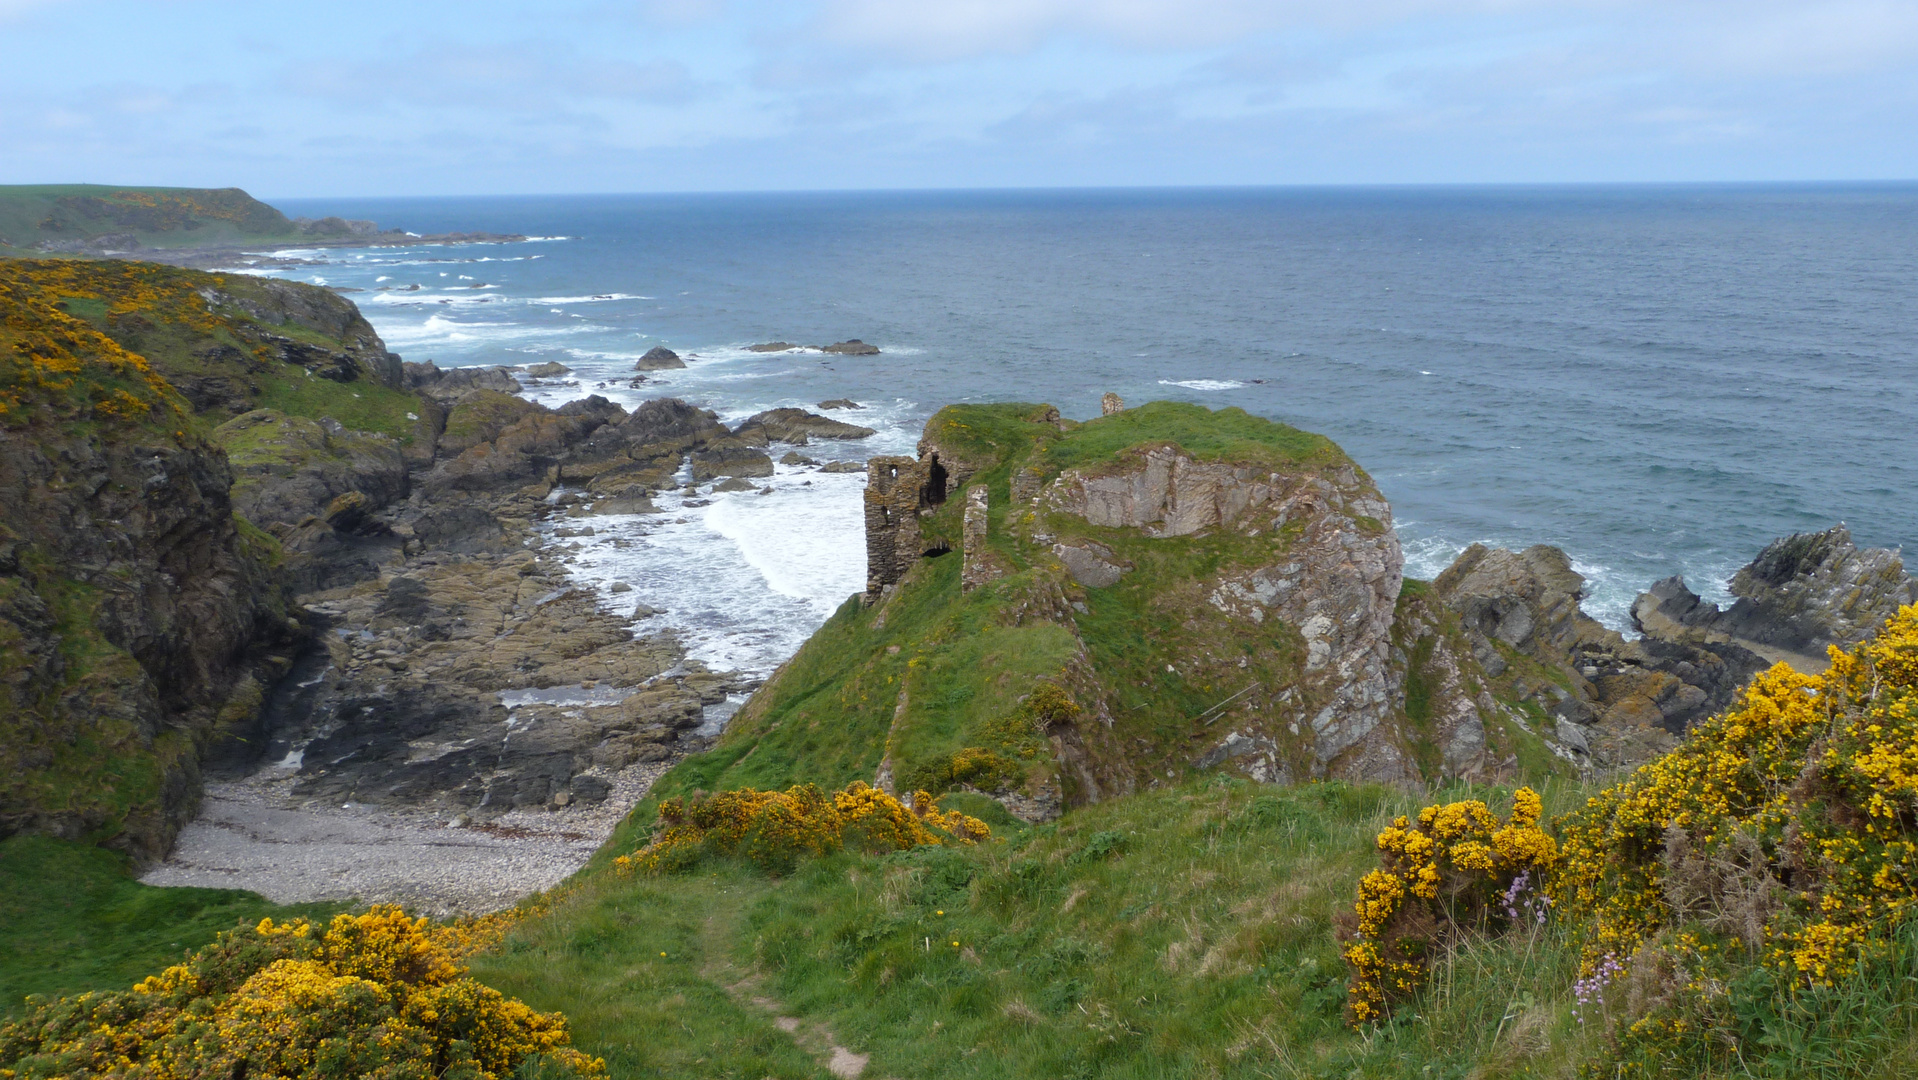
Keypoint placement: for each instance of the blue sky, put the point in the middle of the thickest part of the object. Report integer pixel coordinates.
(482, 96)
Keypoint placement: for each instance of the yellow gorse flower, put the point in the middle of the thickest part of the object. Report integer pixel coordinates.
(1458, 856)
(772, 828)
(377, 995)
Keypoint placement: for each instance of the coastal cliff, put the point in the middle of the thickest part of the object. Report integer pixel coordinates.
(140, 619)
(1060, 613)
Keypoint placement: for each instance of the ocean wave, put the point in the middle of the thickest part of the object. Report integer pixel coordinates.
(742, 582)
(1203, 384)
(585, 299)
(441, 330)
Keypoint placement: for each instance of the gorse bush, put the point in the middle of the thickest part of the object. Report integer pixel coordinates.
(50, 358)
(1756, 871)
(1457, 866)
(376, 995)
(774, 829)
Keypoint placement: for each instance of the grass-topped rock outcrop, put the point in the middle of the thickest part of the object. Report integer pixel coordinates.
(1063, 612)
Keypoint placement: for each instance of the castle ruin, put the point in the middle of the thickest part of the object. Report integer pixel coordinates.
(898, 490)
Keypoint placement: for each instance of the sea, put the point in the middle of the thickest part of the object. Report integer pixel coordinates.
(1657, 379)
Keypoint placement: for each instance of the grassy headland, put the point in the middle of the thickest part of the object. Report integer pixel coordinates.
(152, 216)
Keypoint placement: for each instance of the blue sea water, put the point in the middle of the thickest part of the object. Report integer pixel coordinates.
(1657, 379)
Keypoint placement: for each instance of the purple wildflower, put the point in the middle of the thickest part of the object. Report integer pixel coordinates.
(1589, 991)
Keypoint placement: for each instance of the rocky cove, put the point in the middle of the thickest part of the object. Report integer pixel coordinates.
(339, 600)
(472, 719)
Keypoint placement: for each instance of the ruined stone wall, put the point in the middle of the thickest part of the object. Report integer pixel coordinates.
(979, 567)
(894, 491)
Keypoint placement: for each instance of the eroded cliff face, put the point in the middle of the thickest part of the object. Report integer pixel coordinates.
(1328, 570)
(139, 620)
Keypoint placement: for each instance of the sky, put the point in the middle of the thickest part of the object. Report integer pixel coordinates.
(421, 97)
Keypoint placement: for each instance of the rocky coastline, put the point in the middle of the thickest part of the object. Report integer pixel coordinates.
(362, 638)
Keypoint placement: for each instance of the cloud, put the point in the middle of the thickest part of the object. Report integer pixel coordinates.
(961, 28)
(523, 77)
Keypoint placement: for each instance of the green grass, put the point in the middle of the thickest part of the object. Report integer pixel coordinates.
(73, 919)
(1207, 435)
(1180, 932)
(32, 212)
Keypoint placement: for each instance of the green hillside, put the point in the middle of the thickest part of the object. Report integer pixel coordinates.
(73, 214)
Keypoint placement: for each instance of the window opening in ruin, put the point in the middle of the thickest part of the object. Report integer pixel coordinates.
(935, 490)
(937, 549)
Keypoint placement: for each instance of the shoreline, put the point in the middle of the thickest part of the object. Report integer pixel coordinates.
(254, 834)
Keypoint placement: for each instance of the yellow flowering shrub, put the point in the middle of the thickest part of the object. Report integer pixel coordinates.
(51, 358)
(775, 828)
(1457, 865)
(376, 995)
(1820, 771)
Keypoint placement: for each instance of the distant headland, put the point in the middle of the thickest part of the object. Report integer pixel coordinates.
(196, 227)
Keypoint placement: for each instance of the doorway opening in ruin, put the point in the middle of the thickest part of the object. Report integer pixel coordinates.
(934, 492)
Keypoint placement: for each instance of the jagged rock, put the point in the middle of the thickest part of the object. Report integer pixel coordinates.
(843, 467)
(1801, 594)
(729, 457)
(841, 403)
(1519, 617)
(659, 429)
(406, 706)
(772, 346)
(548, 370)
(797, 426)
(449, 384)
(289, 468)
(851, 347)
(658, 358)
(734, 484)
(164, 625)
(1091, 563)
(794, 457)
(479, 416)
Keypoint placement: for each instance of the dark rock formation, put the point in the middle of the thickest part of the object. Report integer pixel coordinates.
(448, 384)
(797, 426)
(549, 370)
(1801, 594)
(658, 358)
(841, 403)
(138, 626)
(772, 346)
(407, 705)
(851, 347)
(290, 468)
(729, 457)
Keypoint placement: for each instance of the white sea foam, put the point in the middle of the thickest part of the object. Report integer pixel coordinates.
(444, 331)
(586, 299)
(1203, 384)
(745, 580)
